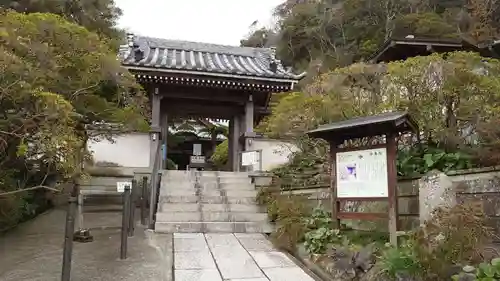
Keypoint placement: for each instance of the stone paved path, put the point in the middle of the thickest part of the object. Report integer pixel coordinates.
(231, 257)
(33, 252)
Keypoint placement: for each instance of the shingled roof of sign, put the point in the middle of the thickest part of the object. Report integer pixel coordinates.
(182, 56)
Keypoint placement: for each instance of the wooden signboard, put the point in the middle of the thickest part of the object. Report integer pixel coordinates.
(365, 173)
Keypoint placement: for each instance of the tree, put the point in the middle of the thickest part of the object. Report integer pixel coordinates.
(220, 155)
(58, 77)
(99, 16)
(260, 38)
(454, 97)
(321, 35)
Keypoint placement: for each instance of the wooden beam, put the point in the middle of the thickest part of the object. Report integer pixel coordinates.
(203, 94)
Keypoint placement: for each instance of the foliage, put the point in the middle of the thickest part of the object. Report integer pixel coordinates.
(290, 224)
(260, 38)
(96, 16)
(307, 166)
(58, 77)
(484, 272)
(419, 160)
(171, 164)
(320, 234)
(326, 34)
(220, 155)
(452, 236)
(399, 262)
(64, 77)
(443, 92)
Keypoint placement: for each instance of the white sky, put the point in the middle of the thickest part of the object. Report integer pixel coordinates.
(209, 21)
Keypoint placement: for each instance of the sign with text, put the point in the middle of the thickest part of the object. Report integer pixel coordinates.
(197, 149)
(197, 159)
(120, 186)
(362, 173)
(249, 158)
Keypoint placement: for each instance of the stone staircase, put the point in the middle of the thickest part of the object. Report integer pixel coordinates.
(209, 202)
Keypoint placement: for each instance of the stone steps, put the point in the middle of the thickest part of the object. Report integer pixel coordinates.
(195, 207)
(210, 192)
(213, 227)
(206, 199)
(205, 216)
(209, 202)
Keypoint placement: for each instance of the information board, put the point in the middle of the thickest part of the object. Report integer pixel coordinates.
(362, 173)
(249, 158)
(197, 159)
(120, 186)
(197, 149)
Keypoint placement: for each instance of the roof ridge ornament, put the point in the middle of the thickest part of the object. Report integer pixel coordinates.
(130, 39)
(135, 47)
(273, 64)
(125, 49)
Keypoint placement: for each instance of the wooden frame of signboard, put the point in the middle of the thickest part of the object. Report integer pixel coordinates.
(381, 132)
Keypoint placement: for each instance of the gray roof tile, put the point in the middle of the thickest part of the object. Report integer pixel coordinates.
(203, 57)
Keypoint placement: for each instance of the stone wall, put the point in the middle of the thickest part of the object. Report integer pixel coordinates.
(480, 186)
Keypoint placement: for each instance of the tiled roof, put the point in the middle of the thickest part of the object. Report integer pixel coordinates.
(368, 125)
(202, 58)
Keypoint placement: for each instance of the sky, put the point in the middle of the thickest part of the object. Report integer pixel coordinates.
(210, 21)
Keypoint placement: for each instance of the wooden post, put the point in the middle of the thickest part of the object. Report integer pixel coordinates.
(392, 186)
(69, 233)
(144, 200)
(133, 196)
(125, 222)
(79, 212)
(333, 185)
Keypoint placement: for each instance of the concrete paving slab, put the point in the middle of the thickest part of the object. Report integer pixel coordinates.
(287, 274)
(198, 275)
(250, 235)
(33, 252)
(194, 260)
(272, 259)
(232, 259)
(190, 244)
(219, 240)
(248, 279)
(259, 244)
(189, 235)
(234, 262)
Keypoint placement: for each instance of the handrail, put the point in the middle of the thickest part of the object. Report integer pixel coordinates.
(29, 189)
(153, 187)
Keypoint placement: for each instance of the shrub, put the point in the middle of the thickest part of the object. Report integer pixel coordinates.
(452, 236)
(320, 234)
(220, 155)
(318, 240)
(290, 222)
(400, 262)
(484, 272)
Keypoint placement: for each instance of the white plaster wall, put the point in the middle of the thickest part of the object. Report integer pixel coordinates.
(274, 152)
(128, 150)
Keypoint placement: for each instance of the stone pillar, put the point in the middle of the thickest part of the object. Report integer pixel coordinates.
(249, 111)
(435, 190)
(164, 129)
(155, 125)
(235, 148)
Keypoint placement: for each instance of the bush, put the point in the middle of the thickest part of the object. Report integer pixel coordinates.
(484, 272)
(320, 234)
(453, 236)
(401, 262)
(220, 155)
(291, 226)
